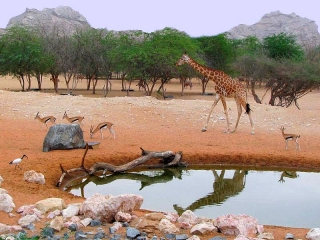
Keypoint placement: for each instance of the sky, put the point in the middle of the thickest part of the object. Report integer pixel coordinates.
(196, 18)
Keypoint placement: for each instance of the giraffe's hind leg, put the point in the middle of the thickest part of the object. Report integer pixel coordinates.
(239, 115)
(223, 100)
(246, 106)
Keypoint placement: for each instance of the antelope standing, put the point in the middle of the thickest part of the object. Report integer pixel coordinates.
(77, 119)
(46, 119)
(141, 84)
(188, 83)
(100, 127)
(290, 137)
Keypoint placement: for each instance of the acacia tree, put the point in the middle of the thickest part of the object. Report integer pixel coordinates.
(158, 55)
(53, 43)
(292, 80)
(124, 54)
(21, 54)
(293, 75)
(92, 59)
(289, 75)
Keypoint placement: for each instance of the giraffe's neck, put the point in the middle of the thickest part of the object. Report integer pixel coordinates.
(210, 73)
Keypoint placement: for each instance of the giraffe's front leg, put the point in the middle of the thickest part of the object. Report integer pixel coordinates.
(216, 100)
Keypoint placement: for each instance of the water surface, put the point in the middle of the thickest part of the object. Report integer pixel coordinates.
(283, 198)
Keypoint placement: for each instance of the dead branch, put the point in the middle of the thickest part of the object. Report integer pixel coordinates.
(167, 159)
(81, 168)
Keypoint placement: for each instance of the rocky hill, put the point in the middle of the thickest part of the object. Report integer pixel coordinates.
(305, 30)
(61, 17)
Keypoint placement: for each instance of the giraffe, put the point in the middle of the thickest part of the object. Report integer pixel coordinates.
(226, 87)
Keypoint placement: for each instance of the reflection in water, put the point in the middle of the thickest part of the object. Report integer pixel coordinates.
(165, 175)
(223, 188)
(215, 192)
(288, 174)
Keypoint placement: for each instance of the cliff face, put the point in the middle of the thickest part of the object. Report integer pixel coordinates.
(305, 30)
(49, 18)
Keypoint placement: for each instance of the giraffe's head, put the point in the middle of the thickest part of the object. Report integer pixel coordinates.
(184, 59)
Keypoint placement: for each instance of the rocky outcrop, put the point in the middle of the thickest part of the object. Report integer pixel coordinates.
(61, 17)
(305, 30)
(63, 137)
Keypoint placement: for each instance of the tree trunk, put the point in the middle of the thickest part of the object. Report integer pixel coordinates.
(253, 91)
(168, 159)
(39, 80)
(21, 81)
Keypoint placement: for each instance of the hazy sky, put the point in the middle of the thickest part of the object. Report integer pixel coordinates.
(196, 18)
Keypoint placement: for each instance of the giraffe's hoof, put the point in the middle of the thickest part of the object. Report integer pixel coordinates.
(203, 130)
(252, 133)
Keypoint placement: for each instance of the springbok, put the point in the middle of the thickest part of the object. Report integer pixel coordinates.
(290, 137)
(100, 127)
(46, 119)
(77, 119)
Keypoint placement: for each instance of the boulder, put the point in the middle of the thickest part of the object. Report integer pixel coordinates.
(241, 224)
(105, 208)
(6, 203)
(50, 204)
(313, 234)
(64, 136)
(34, 177)
(165, 226)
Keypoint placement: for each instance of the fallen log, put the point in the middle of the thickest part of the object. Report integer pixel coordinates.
(167, 159)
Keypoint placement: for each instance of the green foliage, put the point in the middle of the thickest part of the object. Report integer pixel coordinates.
(218, 51)
(248, 46)
(21, 52)
(283, 46)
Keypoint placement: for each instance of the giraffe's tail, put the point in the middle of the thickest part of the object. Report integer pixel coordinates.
(248, 109)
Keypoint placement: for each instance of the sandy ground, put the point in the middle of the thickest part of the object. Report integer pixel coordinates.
(154, 124)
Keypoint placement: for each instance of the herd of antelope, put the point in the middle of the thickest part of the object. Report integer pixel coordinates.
(108, 125)
(79, 119)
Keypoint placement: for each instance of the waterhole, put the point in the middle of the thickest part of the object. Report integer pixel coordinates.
(282, 198)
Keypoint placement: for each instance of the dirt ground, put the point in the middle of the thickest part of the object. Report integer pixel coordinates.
(153, 124)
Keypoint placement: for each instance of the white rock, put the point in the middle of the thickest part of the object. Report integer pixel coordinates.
(71, 210)
(313, 234)
(6, 203)
(26, 220)
(4, 228)
(50, 204)
(34, 177)
(166, 226)
(57, 223)
(203, 228)
(104, 208)
(3, 190)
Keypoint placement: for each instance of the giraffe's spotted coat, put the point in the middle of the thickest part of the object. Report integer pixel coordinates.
(226, 87)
